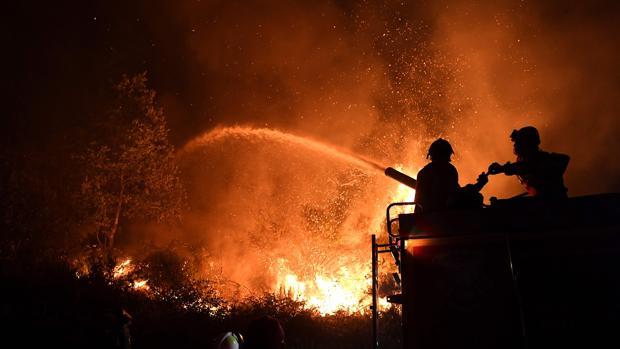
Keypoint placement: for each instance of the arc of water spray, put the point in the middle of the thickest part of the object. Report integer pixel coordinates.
(267, 134)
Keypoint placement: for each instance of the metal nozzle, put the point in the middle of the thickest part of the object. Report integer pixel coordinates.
(401, 177)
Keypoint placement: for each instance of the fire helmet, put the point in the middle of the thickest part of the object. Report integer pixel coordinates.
(440, 149)
(527, 136)
(228, 340)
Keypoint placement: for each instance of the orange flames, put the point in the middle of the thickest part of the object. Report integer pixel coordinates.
(403, 192)
(140, 285)
(346, 289)
(312, 246)
(124, 269)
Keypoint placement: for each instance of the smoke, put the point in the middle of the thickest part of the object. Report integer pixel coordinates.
(289, 208)
(267, 205)
(381, 79)
(386, 78)
(289, 65)
(548, 65)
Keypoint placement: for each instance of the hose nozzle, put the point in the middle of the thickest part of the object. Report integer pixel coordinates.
(401, 177)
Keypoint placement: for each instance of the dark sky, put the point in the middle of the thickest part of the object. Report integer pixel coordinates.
(66, 54)
(222, 62)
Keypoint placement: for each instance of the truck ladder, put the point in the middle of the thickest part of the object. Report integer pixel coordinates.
(395, 247)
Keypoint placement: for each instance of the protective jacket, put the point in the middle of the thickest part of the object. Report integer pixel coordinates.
(541, 174)
(437, 183)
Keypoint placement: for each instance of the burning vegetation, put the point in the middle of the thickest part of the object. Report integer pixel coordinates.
(337, 280)
(284, 239)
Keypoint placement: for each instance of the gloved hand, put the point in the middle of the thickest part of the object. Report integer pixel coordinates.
(483, 179)
(496, 168)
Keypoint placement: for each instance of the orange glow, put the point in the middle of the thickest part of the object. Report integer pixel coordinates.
(141, 285)
(347, 288)
(122, 269)
(305, 236)
(404, 193)
(284, 121)
(346, 292)
(328, 272)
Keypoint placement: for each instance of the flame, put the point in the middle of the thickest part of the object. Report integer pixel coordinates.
(335, 294)
(140, 285)
(382, 303)
(122, 269)
(348, 288)
(341, 286)
(403, 192)
(345, 291)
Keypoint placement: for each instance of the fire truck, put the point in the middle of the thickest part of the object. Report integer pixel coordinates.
(520, 273)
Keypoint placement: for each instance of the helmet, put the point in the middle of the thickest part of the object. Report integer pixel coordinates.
(440, 149)
(527, 136)
(228, 340)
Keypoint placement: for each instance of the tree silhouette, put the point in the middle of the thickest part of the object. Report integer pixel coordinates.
(130, 172)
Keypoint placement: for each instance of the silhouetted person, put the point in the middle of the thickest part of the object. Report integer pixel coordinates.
(264, 333)
(540, 172)
(117, 330)
(438, 186)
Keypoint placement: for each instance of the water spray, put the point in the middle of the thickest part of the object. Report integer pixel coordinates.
(331, 286)
(251, 133)
(267, 134)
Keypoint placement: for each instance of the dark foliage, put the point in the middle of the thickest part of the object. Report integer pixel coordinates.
(130, 171)
(44, 304)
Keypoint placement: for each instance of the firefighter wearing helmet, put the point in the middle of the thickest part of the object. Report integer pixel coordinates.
(438, 182)
(539, 171)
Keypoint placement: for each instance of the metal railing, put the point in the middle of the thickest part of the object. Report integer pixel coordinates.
(396, 247)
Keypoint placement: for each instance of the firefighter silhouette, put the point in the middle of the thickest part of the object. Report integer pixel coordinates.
(438, 186)
(539, 171)
(264, 333)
